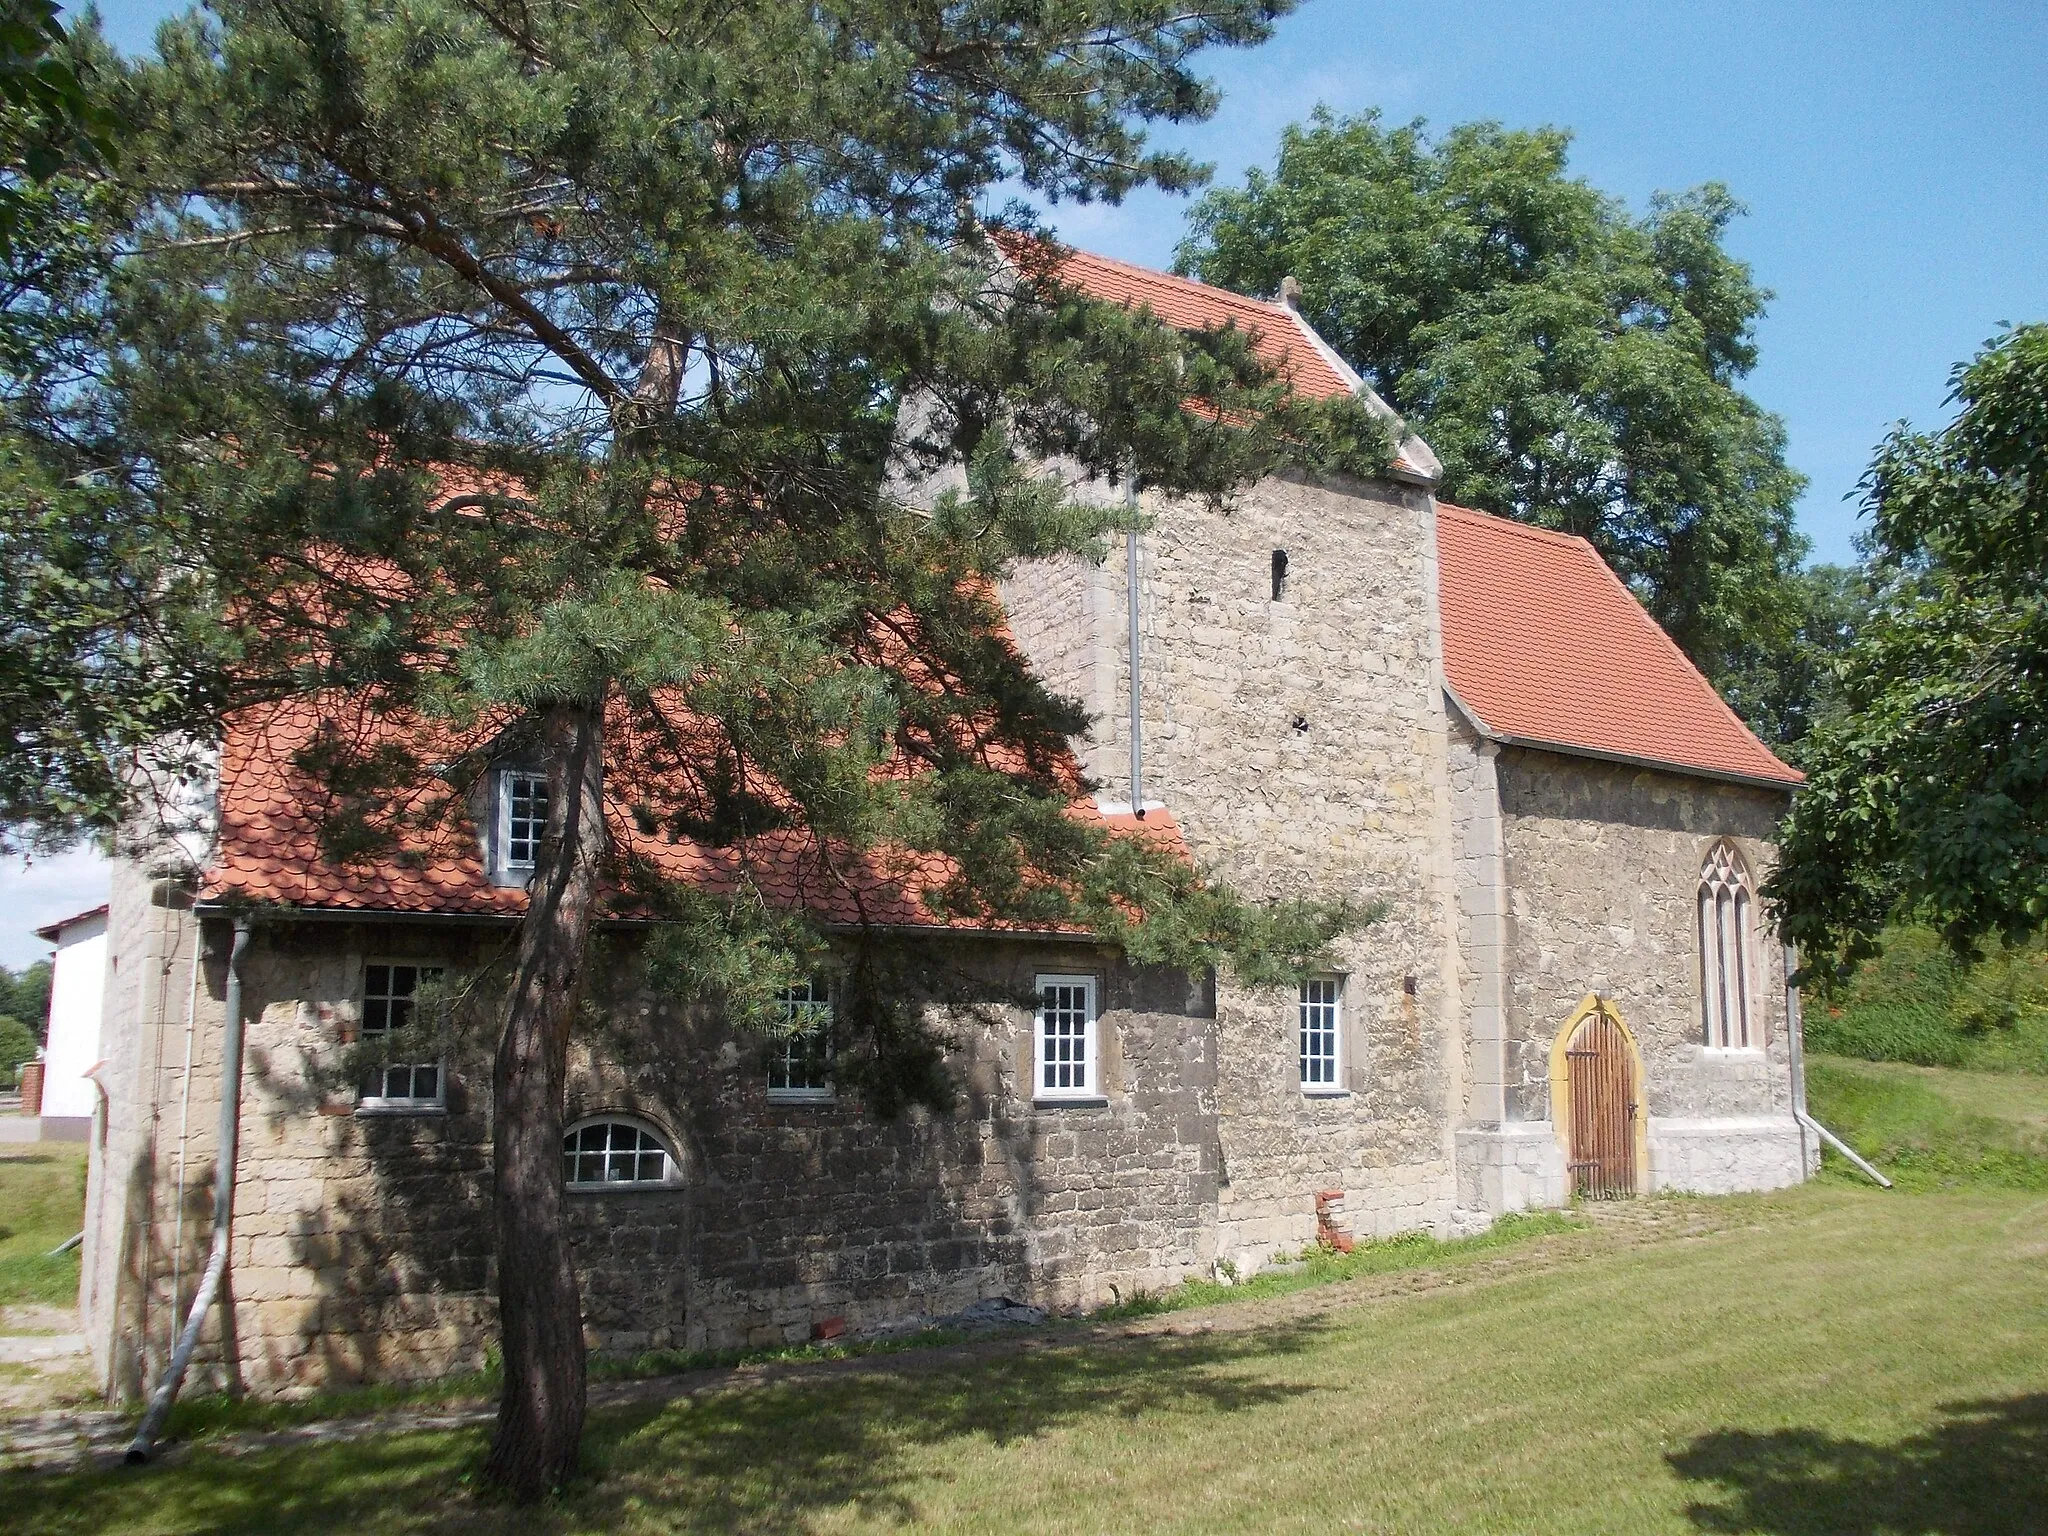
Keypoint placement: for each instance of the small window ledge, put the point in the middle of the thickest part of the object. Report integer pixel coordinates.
(400, 1108)
(1733, 1052)
(625, 1187)
(802, 1096)
(1326, 1093)
(1073, 1101)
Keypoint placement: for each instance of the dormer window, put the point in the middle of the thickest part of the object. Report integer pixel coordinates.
(522, 817)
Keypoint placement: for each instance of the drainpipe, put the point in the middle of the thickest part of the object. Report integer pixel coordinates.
(1131, 596)
(1796, 1035)
(185, 1124)
(144, 1443)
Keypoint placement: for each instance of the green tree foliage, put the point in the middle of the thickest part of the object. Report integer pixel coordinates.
(1783, 681)
(96, 681)
(1927, 796)
(25, 995)
(547, 375)
(50, 121)
(17, 1045)
(1573, 366)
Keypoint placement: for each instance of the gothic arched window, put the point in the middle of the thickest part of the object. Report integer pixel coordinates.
(1727, 951)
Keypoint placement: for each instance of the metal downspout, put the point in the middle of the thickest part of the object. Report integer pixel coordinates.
(1131, 601)
(228, 1146)
(1796, 1033)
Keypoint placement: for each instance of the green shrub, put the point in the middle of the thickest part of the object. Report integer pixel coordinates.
(17, 1045)
(1916, 1003)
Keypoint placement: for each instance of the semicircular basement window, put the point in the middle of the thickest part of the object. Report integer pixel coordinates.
(612, 1152)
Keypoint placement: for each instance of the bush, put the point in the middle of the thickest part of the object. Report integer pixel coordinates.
(1916, 1003)
(17, 1045)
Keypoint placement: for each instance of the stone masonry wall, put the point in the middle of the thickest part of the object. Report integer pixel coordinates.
(1300, 744)
(131, 1221)
(363, 1242)
(1603, 870)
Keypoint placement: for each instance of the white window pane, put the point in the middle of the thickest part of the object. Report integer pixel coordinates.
(1065, 1016)
(389, 994)
(615, 1152)
(1319, 1030)
(800, 1062)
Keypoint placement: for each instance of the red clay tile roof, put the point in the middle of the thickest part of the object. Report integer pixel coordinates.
(1544, 644)
(269, 850)
(1187, 305)
(1282, 339)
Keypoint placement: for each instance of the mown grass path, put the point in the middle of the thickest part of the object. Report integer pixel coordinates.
(1823, 1360)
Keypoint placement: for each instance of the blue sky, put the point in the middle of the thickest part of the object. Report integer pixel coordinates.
(1893, 156)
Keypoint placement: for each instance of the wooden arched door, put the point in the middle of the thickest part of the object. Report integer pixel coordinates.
(1600, 1071)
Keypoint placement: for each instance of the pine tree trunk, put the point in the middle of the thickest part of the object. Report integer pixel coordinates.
(540, 1417)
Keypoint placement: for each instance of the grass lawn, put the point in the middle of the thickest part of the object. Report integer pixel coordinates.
(42, 1202)
(1825, 1360)
(1934, 1129)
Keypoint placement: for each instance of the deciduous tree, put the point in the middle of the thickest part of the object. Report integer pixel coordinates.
(1927, 796)
(1573, 365)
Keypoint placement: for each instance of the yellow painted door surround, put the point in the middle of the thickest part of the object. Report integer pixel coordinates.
(1596, 1102)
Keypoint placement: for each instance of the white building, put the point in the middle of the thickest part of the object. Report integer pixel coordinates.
(77, 993)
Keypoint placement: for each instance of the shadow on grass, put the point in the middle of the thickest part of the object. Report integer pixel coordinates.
(1982, 1471)
(769, 1458)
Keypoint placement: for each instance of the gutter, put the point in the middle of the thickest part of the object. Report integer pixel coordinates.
(1625, 759)
(228, 1147)
(500, 919)
(1131, 602)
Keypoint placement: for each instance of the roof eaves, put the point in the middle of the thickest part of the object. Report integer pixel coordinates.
(297, 914)
(1625, 759)
(54, 931)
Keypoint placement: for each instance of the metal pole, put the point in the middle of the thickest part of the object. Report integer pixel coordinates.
(144, 1443)
(1131, 594)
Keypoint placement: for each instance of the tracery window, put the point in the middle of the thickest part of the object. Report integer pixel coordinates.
(1727, 951)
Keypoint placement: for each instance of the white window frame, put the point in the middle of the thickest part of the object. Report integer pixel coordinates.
(1729, 1021)
(508, 778)
(818, 1005)
(398, 1104)
(672, 1167)
(1334, 1088)
(1090, 1088)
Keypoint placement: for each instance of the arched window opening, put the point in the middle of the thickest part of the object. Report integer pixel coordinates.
(615, 1153)
(1727, 951)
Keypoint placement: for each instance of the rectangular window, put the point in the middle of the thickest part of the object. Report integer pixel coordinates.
(522, 817)
(1322, 1018)
(800, 1068)
(1065, 1034)
(389, 992)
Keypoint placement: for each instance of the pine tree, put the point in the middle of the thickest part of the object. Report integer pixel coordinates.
(547, 375)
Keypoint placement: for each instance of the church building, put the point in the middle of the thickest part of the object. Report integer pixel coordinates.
(1327, 688)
